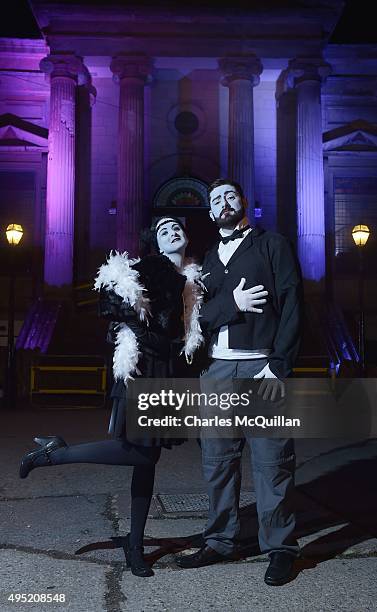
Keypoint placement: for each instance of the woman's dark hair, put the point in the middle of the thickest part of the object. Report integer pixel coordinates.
(225, 181)
(147, 242)
(148, 236)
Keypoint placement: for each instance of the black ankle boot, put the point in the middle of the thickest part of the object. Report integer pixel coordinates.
(135, 560)
(48, 445)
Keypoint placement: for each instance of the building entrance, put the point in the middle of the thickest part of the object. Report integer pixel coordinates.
(186, 198)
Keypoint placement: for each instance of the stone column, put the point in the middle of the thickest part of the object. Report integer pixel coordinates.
(306, 76)
(82, 265)
(65, 72)
(286, 159)
(241, 74)
(131, 71)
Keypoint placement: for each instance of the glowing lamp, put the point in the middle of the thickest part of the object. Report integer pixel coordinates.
(360, 234)
(14, 233)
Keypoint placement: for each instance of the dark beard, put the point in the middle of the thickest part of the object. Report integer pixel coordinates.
(231, 221)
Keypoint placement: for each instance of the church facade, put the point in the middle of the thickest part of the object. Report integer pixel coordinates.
(118, 115)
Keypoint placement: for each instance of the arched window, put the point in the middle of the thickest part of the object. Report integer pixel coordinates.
(182, 192)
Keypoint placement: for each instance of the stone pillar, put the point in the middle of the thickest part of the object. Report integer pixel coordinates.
(65, 72)
(241, 74)
(286, 159)
(82, 264)
(131, 71)
(306, 76)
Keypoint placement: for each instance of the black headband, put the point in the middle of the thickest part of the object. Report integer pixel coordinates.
(165, 220)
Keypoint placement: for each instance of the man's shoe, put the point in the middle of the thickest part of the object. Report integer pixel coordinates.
(280, 569)
(28, 460)
(205, 556)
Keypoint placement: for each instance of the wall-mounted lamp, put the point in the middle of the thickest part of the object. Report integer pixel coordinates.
(360, 235)
(14, 233)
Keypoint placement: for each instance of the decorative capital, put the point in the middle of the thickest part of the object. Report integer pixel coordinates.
(92, 95)
(129, 66)
(66, 65)
(306, 69)
(247, 67)
(281, 85)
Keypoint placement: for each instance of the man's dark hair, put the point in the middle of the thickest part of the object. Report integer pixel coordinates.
(225, 181)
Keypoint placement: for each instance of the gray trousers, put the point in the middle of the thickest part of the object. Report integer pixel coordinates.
(273, 464)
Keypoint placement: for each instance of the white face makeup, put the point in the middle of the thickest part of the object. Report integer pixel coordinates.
(171, 238)
(226, 206)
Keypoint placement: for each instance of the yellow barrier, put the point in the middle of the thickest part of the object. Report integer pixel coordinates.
(35, 388)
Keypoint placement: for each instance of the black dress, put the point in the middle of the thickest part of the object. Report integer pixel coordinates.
(160, 342)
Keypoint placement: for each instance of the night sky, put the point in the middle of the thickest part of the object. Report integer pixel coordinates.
(357, 24)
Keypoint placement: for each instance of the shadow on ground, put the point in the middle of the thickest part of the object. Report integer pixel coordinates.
(341, 498)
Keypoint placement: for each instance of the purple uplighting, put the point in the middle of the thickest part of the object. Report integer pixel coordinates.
(180, 102)
(38, 326)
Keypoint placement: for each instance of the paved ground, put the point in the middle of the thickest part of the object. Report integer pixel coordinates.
(58, 530)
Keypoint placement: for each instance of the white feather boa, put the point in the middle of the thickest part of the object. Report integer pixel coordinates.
(126, 354)
(118, 275)
(192, 299)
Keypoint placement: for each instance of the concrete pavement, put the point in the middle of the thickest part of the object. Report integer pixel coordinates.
(57, 512)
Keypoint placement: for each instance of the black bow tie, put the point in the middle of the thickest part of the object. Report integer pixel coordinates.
(236, 234)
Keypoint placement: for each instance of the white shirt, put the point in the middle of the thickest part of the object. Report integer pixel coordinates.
(219, 348)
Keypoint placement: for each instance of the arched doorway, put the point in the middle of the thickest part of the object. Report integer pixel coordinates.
(186, 197)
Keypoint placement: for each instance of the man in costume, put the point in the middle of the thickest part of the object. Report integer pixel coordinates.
(249, 269)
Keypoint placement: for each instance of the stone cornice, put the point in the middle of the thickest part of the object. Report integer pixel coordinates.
(359, 133)
(57, 14)
(269, 29)
(23, 46)
(21, 132)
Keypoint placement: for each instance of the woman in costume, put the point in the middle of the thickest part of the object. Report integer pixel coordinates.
(152, 304)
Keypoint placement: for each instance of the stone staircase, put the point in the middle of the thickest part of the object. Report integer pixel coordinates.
(62, 356)
(63, 359)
